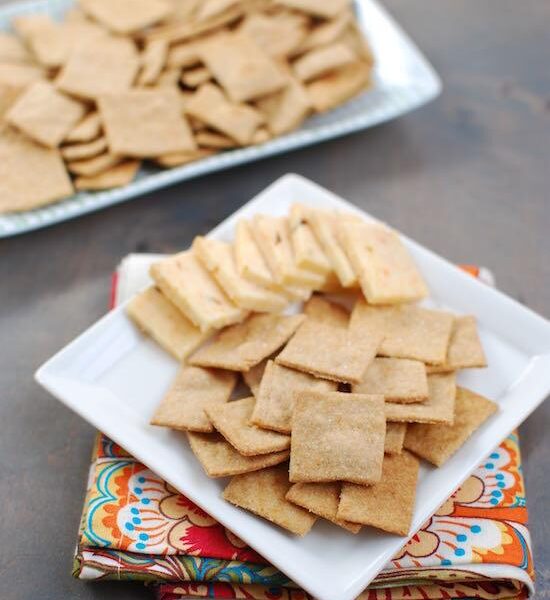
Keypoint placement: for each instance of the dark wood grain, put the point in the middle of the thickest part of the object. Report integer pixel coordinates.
(467, 176)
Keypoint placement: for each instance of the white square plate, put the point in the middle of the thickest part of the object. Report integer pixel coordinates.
(403, 81)
(114, 377)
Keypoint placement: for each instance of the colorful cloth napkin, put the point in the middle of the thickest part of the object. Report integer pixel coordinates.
(135, 526)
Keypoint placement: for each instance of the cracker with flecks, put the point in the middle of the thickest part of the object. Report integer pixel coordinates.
(233, 422)
(319, 309)
(242, 346)
(465, 350)
(437, 443)
(339, 86)
(145, 123)
(272, 234)
(395, 438)
(388, 504)
(385, 269)
(264, 494)
(193, 391)
(210, 106)
(308, 253)
(276, 395)
(321, 499)
(325, 227)
(121, 174)
(127, 16)
(93, 69)
(30, 175)
(229, 55)
(217, 257)
(160, 319)
(219, 459)
(186, 283)
(438, 408)
(409, 331)
(253, 376)
(398, 379)
(337, 437)
(45, 114)
(330, 352)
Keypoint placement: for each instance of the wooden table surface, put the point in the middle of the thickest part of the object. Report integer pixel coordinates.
(466, 175)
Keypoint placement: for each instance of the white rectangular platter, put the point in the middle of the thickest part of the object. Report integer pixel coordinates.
(114, 377)
(403, 81)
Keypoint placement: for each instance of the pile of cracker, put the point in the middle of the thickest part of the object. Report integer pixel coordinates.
(338, 401)
(84, 101)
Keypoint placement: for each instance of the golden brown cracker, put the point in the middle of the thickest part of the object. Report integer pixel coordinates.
(19, 74)
(12, 49)
(263, 493)
(330, 352)
(308, 253)
(244, 345)
(145, 123)
(395, 437)
(326, 32)
(127, 16)
(212, 139)
(277, 392)
(320, 61)
(465, 350)
(233, 422)
(153, 60)
(194, 77)
(90, 167)
(186, 283)
(339, 86)
(321, 499)
(86, 130)
(253, 377)
(385, 269)
(219, 459)
(250, 262)
(388, 504)
(44, 114)
(193, 391)
(409, 331)
(30, 175)
(160, 319)
(438, 408)
(177, 159)
(84, 150)
(437, 443)
(121, 174)
(319, 309)
(397, 379)
(337, 437)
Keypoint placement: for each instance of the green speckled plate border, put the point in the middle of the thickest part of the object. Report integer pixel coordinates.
(404, 80)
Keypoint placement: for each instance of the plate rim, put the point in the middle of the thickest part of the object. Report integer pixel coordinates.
(542, 388)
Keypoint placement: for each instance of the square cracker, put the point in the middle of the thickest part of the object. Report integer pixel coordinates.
(192, 392)
(308, 253)
(339, 86)
(325, 226)
(116, 176)
(219, 459)
(188, 285)
(465, 350)
(437, 443)
(438, 408)
(30, 175)
(85, 150)
(263, 493)
(388, 504)
(409, 331)
(385, 269)
(253, 376)
(277, 393)
(337, 437)
(250, 262)
(159, 318)
(272, 234)
(330, 352)
(45, 114)
(127, 16)
(323, 60)
(240, 347)
(319, 309)
(233, 422)
(321, 499)
(95, 68)
(211, 107)
(230, 55)
(217, 257)
(87, 130)
(397, 379)
(145, 123)
(395, 437)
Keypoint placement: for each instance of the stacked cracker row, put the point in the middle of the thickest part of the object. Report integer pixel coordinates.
(341, 402)
(172, 81)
